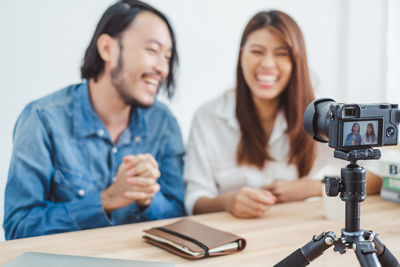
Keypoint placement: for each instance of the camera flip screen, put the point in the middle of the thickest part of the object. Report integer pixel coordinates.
(360, 133)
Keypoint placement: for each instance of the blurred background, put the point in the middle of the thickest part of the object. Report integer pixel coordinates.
(352, 46)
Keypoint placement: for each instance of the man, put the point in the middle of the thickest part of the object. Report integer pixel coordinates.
(103, 152)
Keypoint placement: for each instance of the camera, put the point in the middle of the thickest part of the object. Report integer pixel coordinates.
(352, 126)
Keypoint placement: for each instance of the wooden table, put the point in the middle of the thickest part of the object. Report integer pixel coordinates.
(280, 231)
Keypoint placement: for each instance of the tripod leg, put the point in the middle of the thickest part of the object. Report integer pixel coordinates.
(385, 257)
(310, 251)
(366, 254)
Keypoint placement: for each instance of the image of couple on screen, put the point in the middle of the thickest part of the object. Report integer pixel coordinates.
(354, 138)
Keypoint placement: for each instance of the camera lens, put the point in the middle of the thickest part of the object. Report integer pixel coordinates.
(316, 119)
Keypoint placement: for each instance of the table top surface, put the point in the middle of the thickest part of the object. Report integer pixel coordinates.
(270, 238)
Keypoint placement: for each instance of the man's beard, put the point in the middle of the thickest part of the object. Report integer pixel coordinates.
(122, 88)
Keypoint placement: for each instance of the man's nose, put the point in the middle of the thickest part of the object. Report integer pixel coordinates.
(162, 66)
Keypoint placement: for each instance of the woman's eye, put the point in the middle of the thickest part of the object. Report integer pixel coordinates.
(282, 54)
(256, 52)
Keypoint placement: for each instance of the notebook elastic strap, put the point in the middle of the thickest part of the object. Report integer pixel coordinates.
(204, 247)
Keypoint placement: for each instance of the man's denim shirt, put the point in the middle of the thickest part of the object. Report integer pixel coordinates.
(63, 158)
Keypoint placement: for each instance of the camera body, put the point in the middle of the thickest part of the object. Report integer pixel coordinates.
(355, 126)
(352, 126)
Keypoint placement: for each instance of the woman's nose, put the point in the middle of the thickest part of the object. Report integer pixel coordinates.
(268, 61)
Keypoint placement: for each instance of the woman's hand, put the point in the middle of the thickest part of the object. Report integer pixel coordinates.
(249, 202)
(286, 191)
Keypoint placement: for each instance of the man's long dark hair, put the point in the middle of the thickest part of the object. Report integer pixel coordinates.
(252, 148)
(114, 21)
(352, 128)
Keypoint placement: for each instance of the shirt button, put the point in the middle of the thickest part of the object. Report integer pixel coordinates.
(137, 139)
(100, 132)
(114, 150)
(81, 192)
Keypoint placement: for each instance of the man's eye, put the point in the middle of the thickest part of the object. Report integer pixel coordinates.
(152, 50)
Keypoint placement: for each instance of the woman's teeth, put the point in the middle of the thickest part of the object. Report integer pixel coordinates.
(267, 78)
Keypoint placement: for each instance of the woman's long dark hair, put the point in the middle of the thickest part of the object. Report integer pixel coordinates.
(370, 137)
(252, 148)
(114, 21)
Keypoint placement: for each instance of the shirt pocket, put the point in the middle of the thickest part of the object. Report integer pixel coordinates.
(69, 185)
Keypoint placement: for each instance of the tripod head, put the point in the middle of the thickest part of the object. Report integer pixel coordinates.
(358, 154)
(335, 185)
(351, 184)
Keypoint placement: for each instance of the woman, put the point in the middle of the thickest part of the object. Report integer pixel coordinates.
(369, 137)
(247, 149)
(353, 138)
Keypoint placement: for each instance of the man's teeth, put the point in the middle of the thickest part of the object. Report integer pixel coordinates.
(152, 81)
(267, 78)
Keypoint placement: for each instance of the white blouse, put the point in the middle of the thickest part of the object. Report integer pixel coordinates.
(210, 163)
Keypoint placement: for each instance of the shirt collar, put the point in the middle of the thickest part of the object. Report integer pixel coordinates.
(226, 110)
(87, 122)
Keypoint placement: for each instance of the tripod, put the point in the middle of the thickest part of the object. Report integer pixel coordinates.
(370, 251)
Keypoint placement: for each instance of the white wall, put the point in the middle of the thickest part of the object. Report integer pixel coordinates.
(393, 52)
(43, 41)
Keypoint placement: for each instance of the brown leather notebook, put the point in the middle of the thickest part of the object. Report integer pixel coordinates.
(194, 240)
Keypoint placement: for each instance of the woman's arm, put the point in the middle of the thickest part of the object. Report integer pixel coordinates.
(287, 191)
(245, 203)
(207, 204)
(198, 175)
